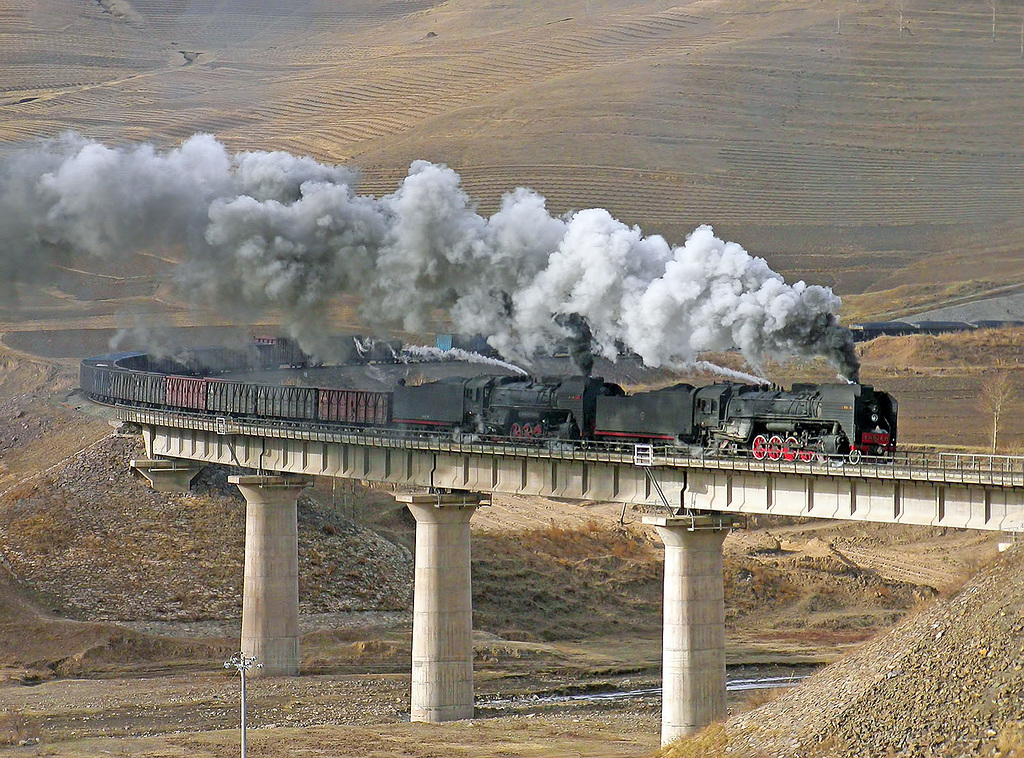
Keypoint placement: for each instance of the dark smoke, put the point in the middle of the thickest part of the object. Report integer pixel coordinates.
(579, 342)
(266, 231)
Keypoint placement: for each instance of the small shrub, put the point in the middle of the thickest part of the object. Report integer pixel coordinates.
(757, 698)
(22, 490)
(592, 538)
(709, 742)
(16, 729)
(1010, 743)
(44, 532)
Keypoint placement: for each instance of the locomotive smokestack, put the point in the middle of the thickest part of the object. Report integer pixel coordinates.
(844, 350)
(579, 342)
(267, 232)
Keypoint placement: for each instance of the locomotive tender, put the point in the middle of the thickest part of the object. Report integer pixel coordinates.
(808, 421)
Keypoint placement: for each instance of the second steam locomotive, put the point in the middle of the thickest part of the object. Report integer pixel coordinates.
(805, 422)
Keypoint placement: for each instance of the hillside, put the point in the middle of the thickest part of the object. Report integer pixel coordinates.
(854, 144)
(89, 541)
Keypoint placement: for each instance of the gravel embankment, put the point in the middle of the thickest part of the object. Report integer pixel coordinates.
(948, 681)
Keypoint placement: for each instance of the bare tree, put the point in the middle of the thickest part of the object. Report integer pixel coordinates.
(996, 393)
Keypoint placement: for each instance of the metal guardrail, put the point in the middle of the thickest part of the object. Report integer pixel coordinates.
(998, 471)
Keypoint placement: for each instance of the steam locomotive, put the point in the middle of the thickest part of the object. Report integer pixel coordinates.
(807, 421)
(764, 422)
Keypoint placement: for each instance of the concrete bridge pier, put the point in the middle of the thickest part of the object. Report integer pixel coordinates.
(693, 655)
(270, 591)
(167, 474)
(442, 626)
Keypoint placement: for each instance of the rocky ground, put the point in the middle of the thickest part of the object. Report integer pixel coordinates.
(948, 681)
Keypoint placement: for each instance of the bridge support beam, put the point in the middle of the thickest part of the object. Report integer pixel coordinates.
(167, 474)
(442, 626)
(270, 591)
(693, 655)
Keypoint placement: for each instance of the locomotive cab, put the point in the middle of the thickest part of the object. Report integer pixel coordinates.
(709, 408)
(865, 419)
(579, 395)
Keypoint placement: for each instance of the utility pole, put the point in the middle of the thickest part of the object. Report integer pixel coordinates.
(242, 664)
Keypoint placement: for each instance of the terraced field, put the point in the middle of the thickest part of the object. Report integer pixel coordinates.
(842, 141)
(385, 92)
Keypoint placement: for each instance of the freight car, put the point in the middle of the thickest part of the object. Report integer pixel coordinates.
(475, 343)
(275, 352)
(872, 329)
(764, 422)
(278, 352)
(125, 379)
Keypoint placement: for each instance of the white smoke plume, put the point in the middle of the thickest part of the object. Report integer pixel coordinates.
(267, 230)
(729, 373)
(425, 354)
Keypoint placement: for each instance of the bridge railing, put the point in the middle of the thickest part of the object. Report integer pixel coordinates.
(952, 468)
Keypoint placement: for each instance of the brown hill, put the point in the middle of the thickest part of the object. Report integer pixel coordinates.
(854, 145)
(986, 348)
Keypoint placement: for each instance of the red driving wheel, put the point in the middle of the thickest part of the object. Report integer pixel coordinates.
(759, 447)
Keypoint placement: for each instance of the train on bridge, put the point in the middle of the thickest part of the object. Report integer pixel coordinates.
(761, 421)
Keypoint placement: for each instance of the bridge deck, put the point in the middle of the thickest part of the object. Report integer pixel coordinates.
(990, 471)
(942, 489)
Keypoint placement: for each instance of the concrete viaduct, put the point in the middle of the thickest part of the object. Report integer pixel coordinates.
(701, 497)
